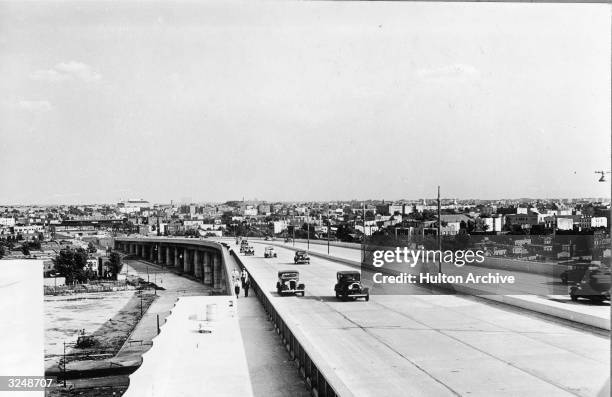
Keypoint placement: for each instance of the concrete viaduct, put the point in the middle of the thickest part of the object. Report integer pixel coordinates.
(204, 260)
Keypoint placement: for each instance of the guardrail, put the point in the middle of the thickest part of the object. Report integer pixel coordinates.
(311, 369)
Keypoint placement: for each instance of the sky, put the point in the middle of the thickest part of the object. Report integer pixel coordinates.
(215, 101)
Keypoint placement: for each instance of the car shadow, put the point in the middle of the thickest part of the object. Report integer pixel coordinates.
(582, 301)
(274, 293)
(329, 298)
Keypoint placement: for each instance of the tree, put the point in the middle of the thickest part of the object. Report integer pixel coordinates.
(25, 249)
(462, 240)
(192, 233)
(71, 264)
(2, 251)
(91, 247)
(115, 264)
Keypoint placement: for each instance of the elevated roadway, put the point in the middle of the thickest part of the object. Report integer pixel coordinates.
(431, 345)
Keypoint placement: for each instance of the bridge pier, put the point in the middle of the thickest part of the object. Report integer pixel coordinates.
(207, 265)
(217, 273)
(159, 254)
(168, 256)
(187, 258)
(197, 264)
(176, 257)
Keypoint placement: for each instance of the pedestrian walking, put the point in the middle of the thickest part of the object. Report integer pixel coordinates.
(247, 284)
(237, 288)
(243, 277)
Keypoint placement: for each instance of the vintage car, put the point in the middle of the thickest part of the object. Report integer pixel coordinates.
(287, 240)
(269, 252)
(243, 245)
(301, 257)
(289, 283)
(575, 272)
(249, 250)
(349, 286)
(595, 285)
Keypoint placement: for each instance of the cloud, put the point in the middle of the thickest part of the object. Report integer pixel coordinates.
(65, 71)
(454, 72)
(34, 106)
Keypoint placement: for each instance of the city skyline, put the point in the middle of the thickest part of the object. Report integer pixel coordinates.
(264, 200)
(302, 101)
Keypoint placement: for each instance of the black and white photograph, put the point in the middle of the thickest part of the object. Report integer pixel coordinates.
(305, 198)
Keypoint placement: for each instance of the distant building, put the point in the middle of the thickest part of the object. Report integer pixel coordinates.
(30, 229)
(7, 222)
(494, 224)
(599, 221)
(524, 221)
(264, 209)
(565, 223)
(132, 205)
(279, 226)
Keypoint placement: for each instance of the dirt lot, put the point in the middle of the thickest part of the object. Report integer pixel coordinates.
(108, 316)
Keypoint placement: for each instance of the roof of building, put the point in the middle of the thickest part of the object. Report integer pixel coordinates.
(454, 218)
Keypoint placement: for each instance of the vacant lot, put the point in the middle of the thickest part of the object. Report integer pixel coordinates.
(109, 316)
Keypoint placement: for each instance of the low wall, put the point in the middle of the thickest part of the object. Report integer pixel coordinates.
(517, 265)
(54, 281)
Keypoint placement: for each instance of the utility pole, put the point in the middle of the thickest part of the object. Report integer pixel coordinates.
(439, 233)
(308, 228)
(328, 232)
(364, 240)
(364, 222)
(64, 364)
